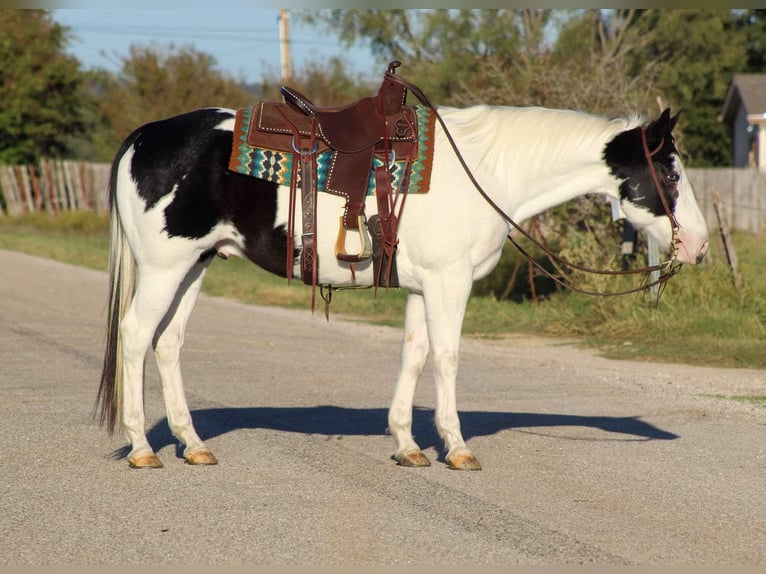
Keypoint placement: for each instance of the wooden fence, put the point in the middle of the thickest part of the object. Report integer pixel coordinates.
(742, 193)
(54, 186)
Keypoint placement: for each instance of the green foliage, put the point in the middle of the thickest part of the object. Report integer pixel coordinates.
(441, 49)
(601, 61)
(757, 400)
(156, 82)
(696, 51)
(67, 222)
(161, 81)
(325, 83)
(699, 318)
(753, 25)
(79, 238)
(39, 88)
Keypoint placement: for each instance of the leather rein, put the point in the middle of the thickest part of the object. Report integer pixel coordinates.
(666, 269)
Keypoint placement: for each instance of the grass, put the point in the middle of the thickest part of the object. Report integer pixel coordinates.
(757, 400)
(700, 318)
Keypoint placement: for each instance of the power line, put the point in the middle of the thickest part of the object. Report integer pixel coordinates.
(233, 34)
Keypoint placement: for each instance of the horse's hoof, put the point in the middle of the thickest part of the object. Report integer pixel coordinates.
(463, 462)
(150, 460)
(412, 459)
(200, 457)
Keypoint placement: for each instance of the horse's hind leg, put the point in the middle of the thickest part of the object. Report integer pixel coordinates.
(167, 349)
(155, 292)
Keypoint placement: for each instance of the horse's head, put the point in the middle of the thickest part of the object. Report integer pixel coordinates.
(655, 192)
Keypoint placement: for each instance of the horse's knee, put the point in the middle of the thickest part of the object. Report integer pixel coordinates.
(445, 360)
(132, 337)
(168, 347)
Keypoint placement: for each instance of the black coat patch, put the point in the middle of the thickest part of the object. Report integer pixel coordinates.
(626, 159)
(187, 154)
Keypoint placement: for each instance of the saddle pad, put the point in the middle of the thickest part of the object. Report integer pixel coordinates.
(277, 166)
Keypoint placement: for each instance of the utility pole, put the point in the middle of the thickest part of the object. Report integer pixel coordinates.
(284, 45)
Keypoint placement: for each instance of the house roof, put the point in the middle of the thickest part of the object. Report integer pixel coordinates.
(748, 91)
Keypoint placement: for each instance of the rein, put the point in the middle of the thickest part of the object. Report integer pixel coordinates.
(667, 269)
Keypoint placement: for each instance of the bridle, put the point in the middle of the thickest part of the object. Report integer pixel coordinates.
(674, 226)
(666, 269)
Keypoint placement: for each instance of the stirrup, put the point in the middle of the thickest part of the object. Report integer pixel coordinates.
(364, 237)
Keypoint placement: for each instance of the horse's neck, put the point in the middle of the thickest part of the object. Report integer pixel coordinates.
(549, 189)
(542, 158)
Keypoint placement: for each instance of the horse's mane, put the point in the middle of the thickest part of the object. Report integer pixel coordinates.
(500, 132)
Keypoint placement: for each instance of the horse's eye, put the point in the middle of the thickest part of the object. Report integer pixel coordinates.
(672, 177)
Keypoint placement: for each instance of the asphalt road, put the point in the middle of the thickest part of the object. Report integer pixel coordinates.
(586, 460)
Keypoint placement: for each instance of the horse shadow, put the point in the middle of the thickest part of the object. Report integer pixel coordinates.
(331, 420)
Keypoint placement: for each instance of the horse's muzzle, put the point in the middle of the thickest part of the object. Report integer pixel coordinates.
(692, 253)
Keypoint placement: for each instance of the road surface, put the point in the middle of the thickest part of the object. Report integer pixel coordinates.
(586, 460)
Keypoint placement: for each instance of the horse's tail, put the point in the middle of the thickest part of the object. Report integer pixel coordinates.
(122, 273)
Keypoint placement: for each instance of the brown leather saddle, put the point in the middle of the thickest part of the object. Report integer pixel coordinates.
(381, 125)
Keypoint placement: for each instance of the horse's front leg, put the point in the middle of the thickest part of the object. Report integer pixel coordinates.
(446, 296)
(413, 359)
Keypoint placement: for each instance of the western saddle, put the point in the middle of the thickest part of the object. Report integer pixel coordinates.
(381, 126)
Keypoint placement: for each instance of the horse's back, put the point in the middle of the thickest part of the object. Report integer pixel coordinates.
(163, 152)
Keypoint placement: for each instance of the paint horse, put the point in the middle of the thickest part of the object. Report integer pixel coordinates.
(174, 205)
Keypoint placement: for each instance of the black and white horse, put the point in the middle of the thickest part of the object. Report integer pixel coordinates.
(174, 205)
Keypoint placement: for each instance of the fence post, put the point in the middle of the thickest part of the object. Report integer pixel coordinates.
(728, 246)
(10, 190)
(652, 259)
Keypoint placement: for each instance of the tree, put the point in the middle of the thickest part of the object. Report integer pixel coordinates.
(554, 58)
(157, 82)
(753, 25)
(39, 88)
(697, 52)
(446, 50)
(325, 83)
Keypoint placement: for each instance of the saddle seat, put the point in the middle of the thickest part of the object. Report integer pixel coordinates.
(357, 126)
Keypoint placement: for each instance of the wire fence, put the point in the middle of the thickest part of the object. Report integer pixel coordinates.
(55, 185)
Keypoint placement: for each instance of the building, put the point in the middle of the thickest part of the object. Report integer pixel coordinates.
(744, 109)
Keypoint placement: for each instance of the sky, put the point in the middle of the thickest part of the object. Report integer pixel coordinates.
(242, 35)
(244, 42)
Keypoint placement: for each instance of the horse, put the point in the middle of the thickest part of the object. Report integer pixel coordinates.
(174, 205)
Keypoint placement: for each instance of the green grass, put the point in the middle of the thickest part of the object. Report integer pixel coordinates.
(757, 400)
(79, 238)
(700, 318)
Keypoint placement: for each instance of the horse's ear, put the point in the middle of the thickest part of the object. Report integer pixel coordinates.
(665, 123)
(674, 120)
(659, 128)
